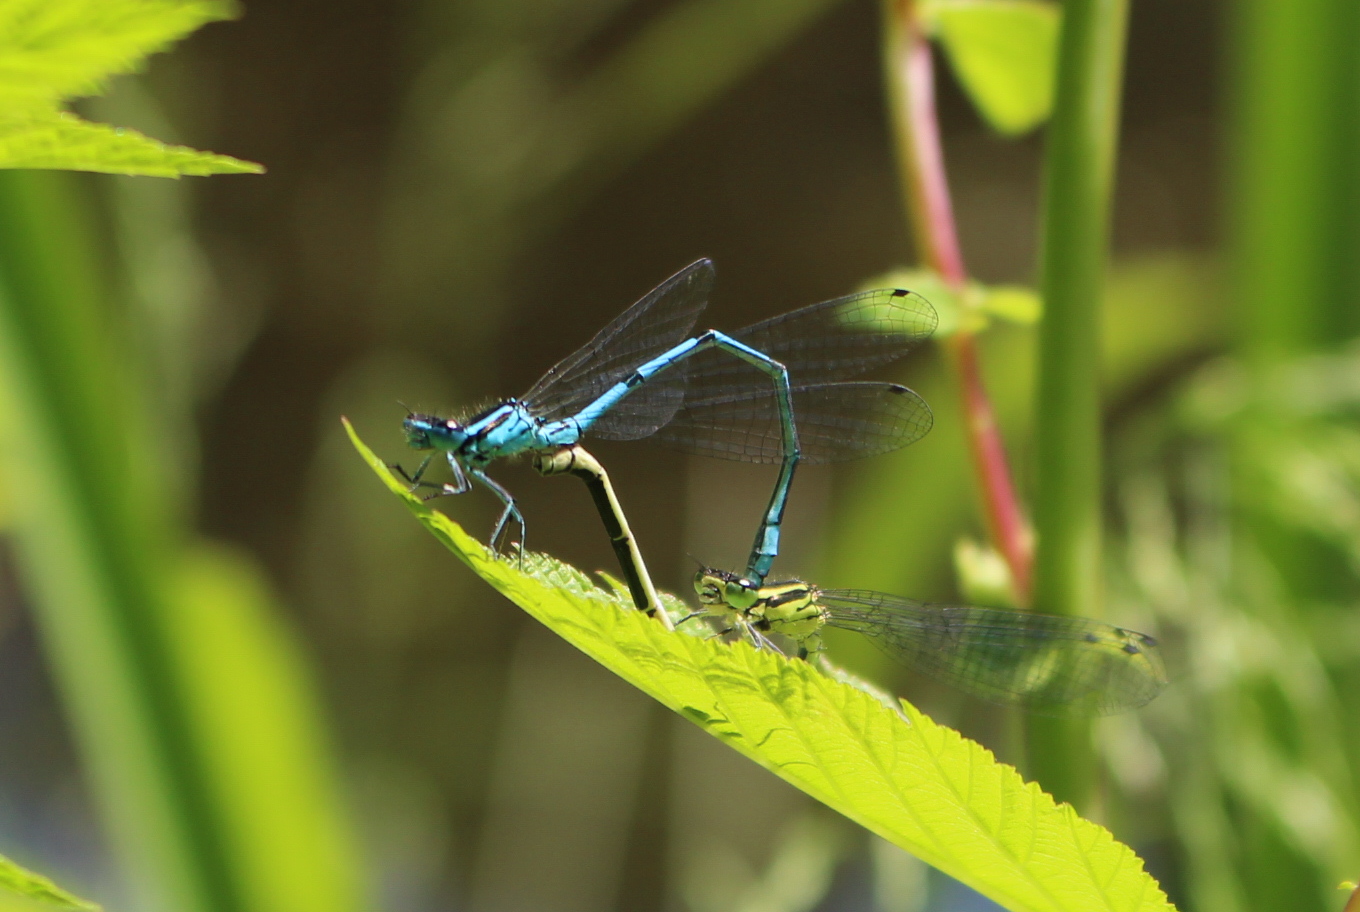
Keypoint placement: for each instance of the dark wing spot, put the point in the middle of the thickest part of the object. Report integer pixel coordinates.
(1132, 648)
(1092, 638)
(900, 293)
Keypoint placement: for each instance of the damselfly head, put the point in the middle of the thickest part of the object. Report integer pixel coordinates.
(709, 584)
(425, 432)
(723, 587)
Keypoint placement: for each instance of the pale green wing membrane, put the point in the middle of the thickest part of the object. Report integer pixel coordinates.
(1047, 664)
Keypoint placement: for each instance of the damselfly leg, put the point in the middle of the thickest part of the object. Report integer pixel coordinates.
(441, 489)
(511, 511)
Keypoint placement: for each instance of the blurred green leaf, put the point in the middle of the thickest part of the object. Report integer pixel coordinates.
(797, 879)
(34, 886)
(257, 719)
(973, 310)
(99, 555)
(1004, 52)
(1012, 303)
(56, 139)
(55, 50)
(983, 576)
(926, 788)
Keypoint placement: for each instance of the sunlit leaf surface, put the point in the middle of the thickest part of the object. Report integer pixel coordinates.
(60, 140)
(54, 50)
(922, 786)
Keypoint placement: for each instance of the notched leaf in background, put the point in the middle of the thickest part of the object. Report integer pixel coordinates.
(1004, 52)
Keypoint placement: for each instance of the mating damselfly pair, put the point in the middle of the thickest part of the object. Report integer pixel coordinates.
(780, 391)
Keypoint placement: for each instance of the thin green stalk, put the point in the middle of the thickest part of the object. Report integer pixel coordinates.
(1079, 172)
(91, 544)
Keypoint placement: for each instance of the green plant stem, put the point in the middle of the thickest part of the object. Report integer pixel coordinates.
(911, 93)
(1078, 175)
(91, 545)
(1293, 214)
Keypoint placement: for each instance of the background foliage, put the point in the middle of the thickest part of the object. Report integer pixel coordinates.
(458, 192)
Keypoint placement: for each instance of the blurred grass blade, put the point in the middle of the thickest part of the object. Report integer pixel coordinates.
(926, 788)
(257, 724)
(659, 80)
(15, 879)
(1004, 52)
(87, 541)
(192, 812)
(496, 159)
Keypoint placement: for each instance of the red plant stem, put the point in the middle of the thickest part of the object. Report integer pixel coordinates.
(923, 156)
(1006, 523)
(911, 83)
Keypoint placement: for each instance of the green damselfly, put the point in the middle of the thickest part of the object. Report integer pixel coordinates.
(1046, 664)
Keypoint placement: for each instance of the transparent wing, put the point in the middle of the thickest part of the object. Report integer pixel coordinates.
(730, 410)
(833, 340)
(836, 422)
(659, 321)
(1050, 665)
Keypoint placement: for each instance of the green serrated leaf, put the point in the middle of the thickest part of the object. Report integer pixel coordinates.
(1004, 53)
(34, 886)
(52, 50)
(923, 787)
(54, 139)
